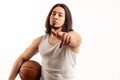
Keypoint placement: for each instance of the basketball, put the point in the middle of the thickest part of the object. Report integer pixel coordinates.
(30, 70)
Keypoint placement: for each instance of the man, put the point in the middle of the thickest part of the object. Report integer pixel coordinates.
(58, 47)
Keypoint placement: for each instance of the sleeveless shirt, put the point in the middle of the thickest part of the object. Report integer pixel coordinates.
(57, 63)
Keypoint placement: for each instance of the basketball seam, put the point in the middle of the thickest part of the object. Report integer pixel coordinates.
(29, 68)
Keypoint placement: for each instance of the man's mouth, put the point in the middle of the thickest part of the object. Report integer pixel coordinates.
(54, 23)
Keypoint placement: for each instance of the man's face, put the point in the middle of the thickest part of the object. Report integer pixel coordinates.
(57, 17)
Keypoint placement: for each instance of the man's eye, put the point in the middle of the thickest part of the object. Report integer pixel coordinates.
(60, 15)
(53, 13)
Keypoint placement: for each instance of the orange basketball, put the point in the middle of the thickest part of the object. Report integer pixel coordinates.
(30, 70)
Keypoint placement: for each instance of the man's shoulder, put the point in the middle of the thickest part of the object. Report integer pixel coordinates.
(38, 39)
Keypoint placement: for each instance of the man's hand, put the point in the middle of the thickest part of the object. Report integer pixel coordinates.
(63, 36)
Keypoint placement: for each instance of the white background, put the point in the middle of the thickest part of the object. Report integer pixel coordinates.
(97, 21)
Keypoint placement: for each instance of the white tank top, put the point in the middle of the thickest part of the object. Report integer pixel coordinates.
(57, 63)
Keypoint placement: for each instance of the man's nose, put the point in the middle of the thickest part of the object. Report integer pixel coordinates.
(56, 16)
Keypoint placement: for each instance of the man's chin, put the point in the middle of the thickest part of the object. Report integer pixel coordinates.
(55, 28)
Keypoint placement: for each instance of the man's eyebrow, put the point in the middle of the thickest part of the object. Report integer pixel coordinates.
(57, 12)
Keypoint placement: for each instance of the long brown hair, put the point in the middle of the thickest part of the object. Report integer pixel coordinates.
(68, 19)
